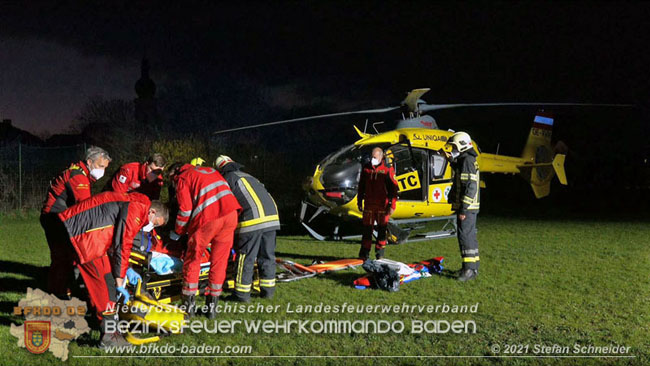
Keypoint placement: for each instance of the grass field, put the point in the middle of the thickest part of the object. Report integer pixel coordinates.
(541, 282)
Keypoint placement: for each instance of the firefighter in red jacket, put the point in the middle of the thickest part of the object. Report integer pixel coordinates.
(376, 198)
(208, 213)
(145, 178)
(68, 188)
(101, 231)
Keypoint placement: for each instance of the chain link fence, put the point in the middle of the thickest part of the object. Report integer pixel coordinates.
(26, 171)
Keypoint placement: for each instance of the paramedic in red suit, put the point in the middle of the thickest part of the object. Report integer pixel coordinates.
(101, 231)
(376, 198)
(145, 178)
(68, 188)
(208, 213)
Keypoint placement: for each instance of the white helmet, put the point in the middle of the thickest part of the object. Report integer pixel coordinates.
(461, 141)
(221, 161)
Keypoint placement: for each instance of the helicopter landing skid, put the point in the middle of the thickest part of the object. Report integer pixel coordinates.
(448, 229)
(401, 231)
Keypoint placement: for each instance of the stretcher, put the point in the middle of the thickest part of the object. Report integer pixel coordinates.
(292, 271)
(167, 288)
(163, 318)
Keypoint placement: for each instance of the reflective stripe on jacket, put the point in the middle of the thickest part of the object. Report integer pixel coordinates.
(203, 195)
(259, 211)
(465, 192)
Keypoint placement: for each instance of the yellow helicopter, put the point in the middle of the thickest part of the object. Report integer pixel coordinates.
(414, 149)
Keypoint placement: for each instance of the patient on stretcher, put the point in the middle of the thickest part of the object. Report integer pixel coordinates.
(166, 256)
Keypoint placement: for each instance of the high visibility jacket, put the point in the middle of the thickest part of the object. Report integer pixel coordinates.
(259, 211)
(106, 223)
(132, 177)
(465, 192)
(68, 188)
(377, 187)
(203, 195)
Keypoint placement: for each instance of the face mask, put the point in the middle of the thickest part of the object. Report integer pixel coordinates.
(151, 176)
(148, 227)
(375, 161)
(97, 173)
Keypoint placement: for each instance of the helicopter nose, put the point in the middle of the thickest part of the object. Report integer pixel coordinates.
(340, 182)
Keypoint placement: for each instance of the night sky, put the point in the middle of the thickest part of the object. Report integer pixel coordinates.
(54, 57)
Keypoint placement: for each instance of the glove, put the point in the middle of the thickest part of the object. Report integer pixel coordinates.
(121, 291)
(173, 236)
(133, 276)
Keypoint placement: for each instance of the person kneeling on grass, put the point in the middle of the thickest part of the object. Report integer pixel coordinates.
(101, 231)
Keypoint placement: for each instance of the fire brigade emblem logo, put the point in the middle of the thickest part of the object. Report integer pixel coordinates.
(37, 336)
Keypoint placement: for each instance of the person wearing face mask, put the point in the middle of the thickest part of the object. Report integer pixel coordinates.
(71, 186)
(145, 178)
(100, 232)
(464, 198)
(207, 213)
(377, 199)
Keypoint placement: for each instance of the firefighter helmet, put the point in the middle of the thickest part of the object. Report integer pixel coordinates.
(461, 141)
(221, 161)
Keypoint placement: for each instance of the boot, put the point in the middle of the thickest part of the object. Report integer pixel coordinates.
(267, 293)
(379, 253)
(211, 302)
(467, 274)
(188, 303)
(238, 298)
(364, 253)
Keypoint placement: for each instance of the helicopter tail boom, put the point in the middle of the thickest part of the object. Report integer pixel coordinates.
(538, 163)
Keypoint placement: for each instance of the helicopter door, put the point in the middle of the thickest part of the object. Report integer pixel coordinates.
(439, 178)
(410, 173)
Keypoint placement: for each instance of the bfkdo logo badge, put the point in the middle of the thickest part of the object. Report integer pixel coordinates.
(37, 335)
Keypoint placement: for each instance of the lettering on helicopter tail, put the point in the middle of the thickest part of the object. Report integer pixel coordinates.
(408, 181)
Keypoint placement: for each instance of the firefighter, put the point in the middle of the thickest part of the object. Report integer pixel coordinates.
(68, 188)
(208, 213)
(464, 197)
(255, 233)
(145, 178)
(377, 199)
(100, 232)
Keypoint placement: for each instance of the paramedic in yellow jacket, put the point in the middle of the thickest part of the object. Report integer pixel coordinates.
(255, 233)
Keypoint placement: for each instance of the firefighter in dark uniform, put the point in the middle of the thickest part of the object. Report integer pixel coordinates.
(464, 197)
(255, 233)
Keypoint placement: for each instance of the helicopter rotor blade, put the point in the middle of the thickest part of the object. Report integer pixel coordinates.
(366, 111)
(436, 107)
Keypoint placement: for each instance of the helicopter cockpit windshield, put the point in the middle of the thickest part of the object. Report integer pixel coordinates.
(341, 171)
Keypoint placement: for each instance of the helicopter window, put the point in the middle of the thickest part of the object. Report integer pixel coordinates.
(437, 165)
(404, 164)
(350, 154)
